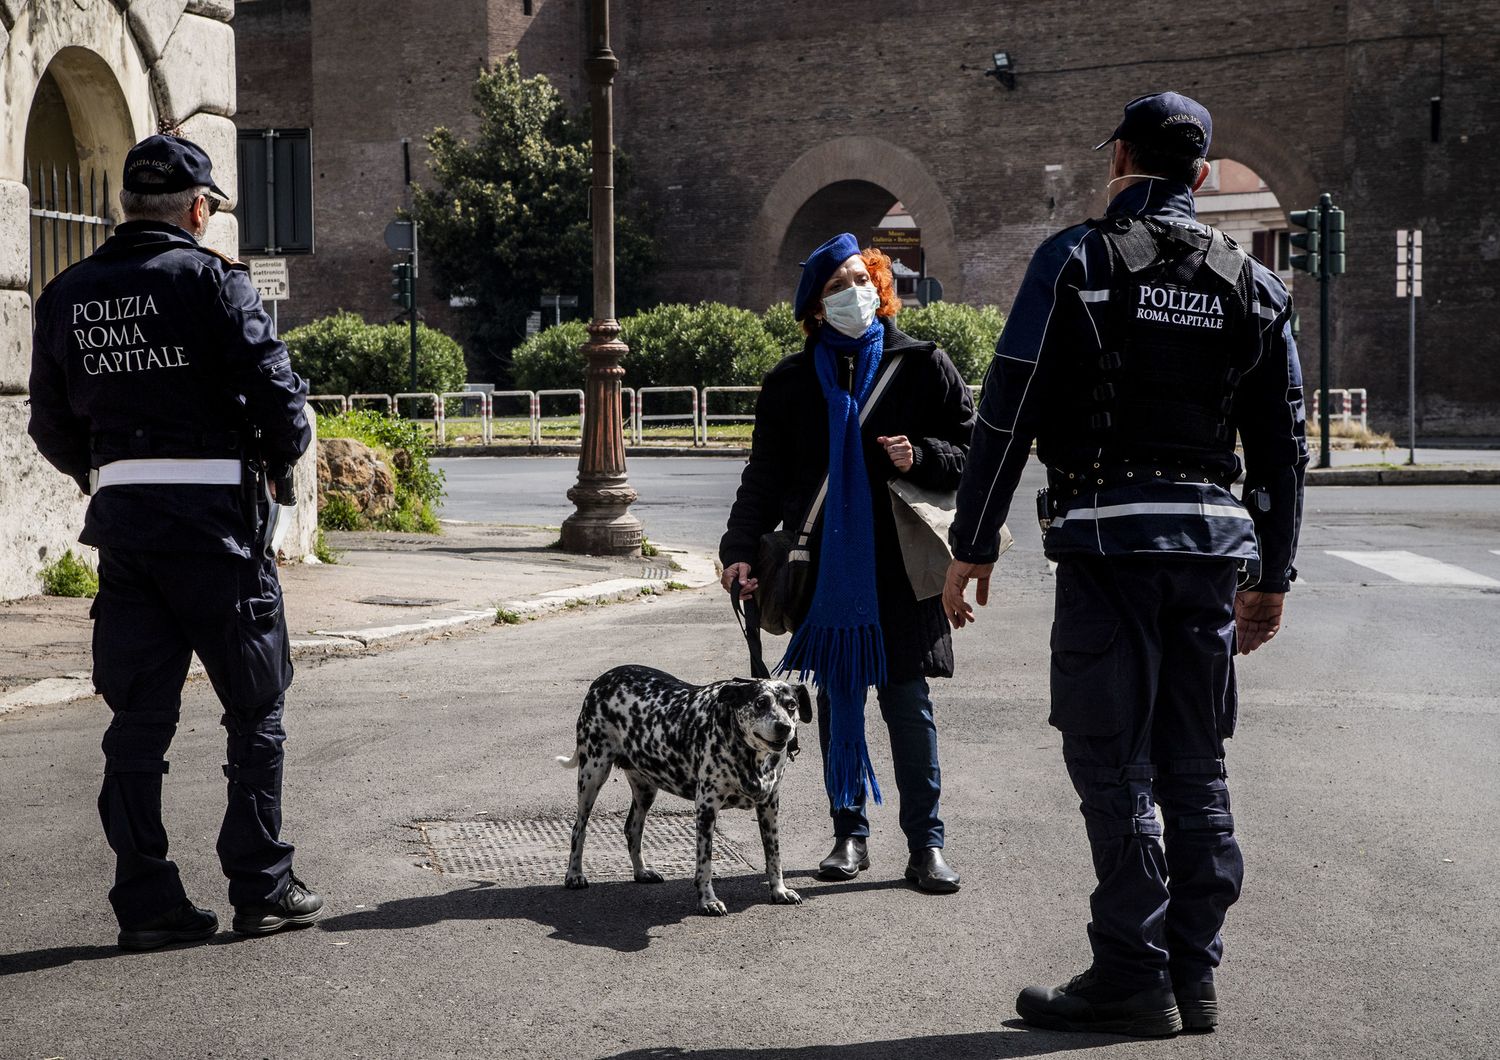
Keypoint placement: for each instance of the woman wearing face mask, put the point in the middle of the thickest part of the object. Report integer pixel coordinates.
(865, 628)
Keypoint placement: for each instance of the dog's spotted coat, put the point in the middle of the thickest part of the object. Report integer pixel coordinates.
(724, 746)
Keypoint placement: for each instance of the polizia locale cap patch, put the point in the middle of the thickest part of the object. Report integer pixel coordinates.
(160, 165)
(1166, 121)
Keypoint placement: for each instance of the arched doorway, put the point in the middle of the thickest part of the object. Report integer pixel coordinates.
(850, 184)
(78, 130)
(1237, 200)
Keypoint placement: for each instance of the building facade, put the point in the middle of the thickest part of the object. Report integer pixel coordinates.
(83, 80)
(757, 130)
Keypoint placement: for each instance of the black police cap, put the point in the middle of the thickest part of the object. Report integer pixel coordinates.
(1166, 121)
(160, 165)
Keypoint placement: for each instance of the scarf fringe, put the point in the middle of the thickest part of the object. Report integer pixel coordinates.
(845, 662)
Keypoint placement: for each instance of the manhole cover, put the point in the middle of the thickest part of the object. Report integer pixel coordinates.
(536, 848)
(404, 601)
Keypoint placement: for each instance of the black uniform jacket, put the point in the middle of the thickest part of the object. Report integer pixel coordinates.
(928, 402)
(154, 347)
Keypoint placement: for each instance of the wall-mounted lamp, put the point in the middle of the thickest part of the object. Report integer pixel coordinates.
(1003, 71)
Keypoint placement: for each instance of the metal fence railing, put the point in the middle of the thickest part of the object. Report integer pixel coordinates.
(536, 432)
(665, 417)
(1344, 405)
(355, 400)
(68, 217)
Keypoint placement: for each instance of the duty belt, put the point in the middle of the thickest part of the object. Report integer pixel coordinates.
(166, 472)
(1065, 482)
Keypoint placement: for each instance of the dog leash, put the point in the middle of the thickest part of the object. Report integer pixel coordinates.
(746, 614)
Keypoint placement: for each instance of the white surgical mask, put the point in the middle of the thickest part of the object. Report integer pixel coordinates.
(852, 310)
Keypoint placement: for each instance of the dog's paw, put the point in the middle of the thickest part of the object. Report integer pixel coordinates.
(713, 908)
(575, 881)
(786, 896)
(649, 875)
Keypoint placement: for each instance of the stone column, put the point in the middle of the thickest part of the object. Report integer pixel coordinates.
(603, 524)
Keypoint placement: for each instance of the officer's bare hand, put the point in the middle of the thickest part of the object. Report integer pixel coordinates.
(739, 572)
(1257, 618)
(898, 447)
(955, 606)
(273, 491)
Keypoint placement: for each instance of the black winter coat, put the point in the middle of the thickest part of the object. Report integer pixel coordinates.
(928, 402)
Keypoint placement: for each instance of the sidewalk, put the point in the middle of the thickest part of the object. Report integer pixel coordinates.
(385, 589)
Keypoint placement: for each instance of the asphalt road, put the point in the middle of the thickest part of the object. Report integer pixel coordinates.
(1365, 793)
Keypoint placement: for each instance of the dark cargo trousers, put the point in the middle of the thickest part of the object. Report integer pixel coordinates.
(153, 612)
(1143, 692)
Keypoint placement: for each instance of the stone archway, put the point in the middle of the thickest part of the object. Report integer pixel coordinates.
(868, 168)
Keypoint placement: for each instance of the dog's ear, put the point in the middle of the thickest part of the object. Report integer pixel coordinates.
(804, 704)
(738, 692)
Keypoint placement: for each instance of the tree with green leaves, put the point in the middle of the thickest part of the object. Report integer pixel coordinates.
(508, 216)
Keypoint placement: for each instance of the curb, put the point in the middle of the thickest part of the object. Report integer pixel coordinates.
(447, 451)
(694, 570)
(1403, 476)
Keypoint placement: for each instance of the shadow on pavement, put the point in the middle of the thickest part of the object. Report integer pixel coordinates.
(1017, 1040)
(620, 915)
(55, 957)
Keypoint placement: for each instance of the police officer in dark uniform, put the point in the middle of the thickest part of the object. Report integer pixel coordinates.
(1137, 348)
(158, 384)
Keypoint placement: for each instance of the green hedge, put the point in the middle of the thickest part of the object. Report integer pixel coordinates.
(406, 448)
(710, 344)
(342, 354)
(967, 333)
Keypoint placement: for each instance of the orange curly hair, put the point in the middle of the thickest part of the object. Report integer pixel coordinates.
(882, 277)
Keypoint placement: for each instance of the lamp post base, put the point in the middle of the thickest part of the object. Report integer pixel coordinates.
(603, 524)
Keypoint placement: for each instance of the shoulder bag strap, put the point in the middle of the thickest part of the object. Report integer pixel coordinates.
(864, 413)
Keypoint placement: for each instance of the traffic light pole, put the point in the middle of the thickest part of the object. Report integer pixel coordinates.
(412, 308)
(1325, 278)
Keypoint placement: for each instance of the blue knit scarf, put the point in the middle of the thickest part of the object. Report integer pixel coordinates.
(840, 643)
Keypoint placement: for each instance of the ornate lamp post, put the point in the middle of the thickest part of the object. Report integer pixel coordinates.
(602, 525)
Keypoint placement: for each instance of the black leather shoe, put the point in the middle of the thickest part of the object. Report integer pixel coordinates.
(185, 922)
(1199, 1005)
(849, 857)
(1086, 1003)
(931, 873)
(297, 908)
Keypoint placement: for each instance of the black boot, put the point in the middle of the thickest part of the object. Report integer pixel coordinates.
(931, 873)
(1086, 1003)
(1199, 1005)
(298, 907)
(185, 922)
(848, 858)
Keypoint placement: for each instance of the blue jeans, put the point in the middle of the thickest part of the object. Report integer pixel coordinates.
(907, 709)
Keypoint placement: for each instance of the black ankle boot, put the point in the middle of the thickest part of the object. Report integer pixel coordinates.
(931, 873)
(848, 858)
(1087, 1003)
(1199, 1005)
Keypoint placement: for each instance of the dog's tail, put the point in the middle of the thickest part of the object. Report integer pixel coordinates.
(568, 763)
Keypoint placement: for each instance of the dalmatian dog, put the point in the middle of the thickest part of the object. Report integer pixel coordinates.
(724, 746)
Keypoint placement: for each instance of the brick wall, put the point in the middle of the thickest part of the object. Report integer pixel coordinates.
(736, 115)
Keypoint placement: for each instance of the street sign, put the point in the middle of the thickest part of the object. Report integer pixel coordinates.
(929, 290)
(557, 303)
(533, 322)
(398, 235)
(1408, 263)
(269, 276)
(904, 247)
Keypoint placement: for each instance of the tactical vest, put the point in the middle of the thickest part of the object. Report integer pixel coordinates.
(1179, 333)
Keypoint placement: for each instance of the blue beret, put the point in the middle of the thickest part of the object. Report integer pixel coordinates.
(821, 264)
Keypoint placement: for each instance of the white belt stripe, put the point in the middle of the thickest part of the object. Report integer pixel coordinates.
(1094, 296)
(1117, 511)
(165, 472)
(1266, 312)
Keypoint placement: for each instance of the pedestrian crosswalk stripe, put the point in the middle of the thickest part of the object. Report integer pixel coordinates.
(1418, 570)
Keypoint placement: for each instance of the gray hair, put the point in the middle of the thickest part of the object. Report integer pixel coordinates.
(171, 207)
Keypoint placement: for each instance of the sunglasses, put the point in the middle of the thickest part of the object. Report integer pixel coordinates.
(213, 204)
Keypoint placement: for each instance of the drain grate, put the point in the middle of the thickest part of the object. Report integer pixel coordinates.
(536, 848)
(404, 601)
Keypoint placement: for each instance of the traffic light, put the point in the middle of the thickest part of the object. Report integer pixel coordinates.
(403, 291)
(1307, 241)
(1333, 241)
